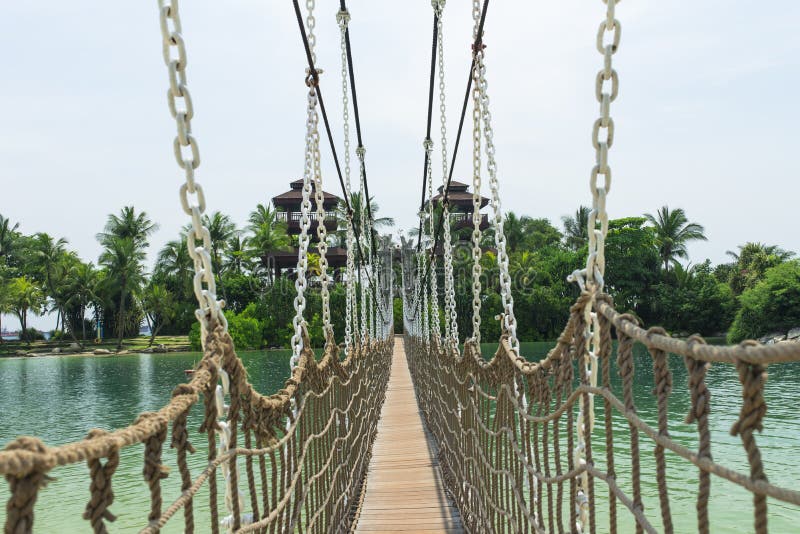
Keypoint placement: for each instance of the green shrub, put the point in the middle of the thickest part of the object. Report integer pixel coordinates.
(194, 337)
(772, 305)
(245, 331)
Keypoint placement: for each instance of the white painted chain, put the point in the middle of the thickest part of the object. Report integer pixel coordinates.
(499, 235)
(418, 294)
(187, 154)
(193, 203)
(365, 235)
(476, 203)
(343, 19)
(432, 282)
(592, 277)
(311, 23)
(322, 232)
(312, 148)
(450, 314)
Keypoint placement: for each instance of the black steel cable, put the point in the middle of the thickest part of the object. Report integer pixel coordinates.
(315, 81)
(363, 167)
(428, 127)
(477, 45)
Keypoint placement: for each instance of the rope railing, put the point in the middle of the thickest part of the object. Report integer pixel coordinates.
(507, 436)
(304, 449)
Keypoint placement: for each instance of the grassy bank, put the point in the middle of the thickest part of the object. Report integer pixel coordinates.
(64, 346)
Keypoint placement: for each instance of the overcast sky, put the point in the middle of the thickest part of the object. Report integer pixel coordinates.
(706, 119)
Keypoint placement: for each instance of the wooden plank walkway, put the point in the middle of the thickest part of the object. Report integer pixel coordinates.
(404, 490)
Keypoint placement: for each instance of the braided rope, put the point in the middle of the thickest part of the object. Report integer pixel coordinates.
(505, 462)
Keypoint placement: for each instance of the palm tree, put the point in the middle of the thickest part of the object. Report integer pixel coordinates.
(355, 204)
(174, 260)
(752, 262)
(5, 296)
(7, 235)
(123, 260)
(576, 228)
(24, 297)
(236, 257)
(48, 253)
(128, 225)
(267, 239)
(260, 216)
(673, 232)
(514, 229)
(221, 228)
(82, 291)
(159, 308)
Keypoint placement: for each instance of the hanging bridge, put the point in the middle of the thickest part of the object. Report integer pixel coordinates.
(419, 432)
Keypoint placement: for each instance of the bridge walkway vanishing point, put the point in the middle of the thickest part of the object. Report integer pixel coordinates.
(404, 491)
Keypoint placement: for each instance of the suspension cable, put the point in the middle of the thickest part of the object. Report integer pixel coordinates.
(314, 74)
(476, 45)
(356, 116)
(427, 140)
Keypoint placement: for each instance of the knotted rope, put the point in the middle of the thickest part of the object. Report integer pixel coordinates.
(97, 509)
(24, 489)
(753, 377)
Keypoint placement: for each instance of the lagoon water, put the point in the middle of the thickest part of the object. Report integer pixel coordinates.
(60, 398)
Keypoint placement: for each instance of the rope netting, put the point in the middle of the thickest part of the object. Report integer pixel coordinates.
(508, 437)
(515, 438)
(304, 450)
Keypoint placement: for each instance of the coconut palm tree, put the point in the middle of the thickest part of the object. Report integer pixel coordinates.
(752, 262)
(48, 255)
(236, 258)
(123, 260)
(355, 204)
(159, 307)
(576, 228)
(267, 239)
(174, 260)
(82, 291)
(128, 225)
(5, 295)
(25, 296)
(221, 229)
(673, 233)
(514, 229)
(263, 214)
(8, 232)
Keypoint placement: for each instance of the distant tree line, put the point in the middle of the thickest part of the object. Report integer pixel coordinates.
(648, 274)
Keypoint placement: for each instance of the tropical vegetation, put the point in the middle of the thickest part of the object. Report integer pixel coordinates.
(649, 274)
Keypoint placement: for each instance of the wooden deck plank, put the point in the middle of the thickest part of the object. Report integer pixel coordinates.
(404, 490)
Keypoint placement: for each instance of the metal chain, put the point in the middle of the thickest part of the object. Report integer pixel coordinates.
(592, 278)
(187, 154)
(451, 316)
(322, 238)
(499, 235)
(476, 203)
(319, 197)
(366, 234)
(312, 137)
(433, 283)
(193, 203)
(351, 318)
(311, 23)
(420, 291)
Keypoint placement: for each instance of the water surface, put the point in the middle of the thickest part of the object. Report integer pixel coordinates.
(60, 398)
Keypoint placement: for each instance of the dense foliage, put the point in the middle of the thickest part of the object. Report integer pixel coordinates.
(756, 293)
(771, 305)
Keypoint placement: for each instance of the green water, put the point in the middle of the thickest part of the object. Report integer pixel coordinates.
(60, 398)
